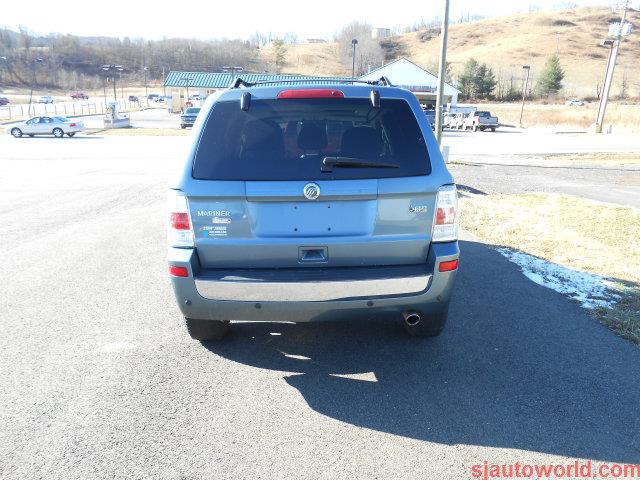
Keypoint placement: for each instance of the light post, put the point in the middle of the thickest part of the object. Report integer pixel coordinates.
(354, 42)
(188, 80)
(35, 62)
(233, 70)
(114, 69)
(524, 92)
(442, 71)
(618, 32)
(146, 90)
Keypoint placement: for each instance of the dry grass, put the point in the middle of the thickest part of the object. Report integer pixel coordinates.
(624, 117)
(581, 234)
(595, 158)
(506, 44)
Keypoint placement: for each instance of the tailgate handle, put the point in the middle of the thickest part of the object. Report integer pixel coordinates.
(312, 254)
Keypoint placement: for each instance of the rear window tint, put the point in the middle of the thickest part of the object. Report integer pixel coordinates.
(288, 139)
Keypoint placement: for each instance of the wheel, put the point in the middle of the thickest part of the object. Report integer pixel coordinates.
(16, 132)
(71, 134)
(207, 329)
(475, 128)
(31, 135)
(183, 126)
(428, 326)
(493, 129)
(58, 133)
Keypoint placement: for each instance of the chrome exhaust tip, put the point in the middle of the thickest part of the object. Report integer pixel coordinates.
(411, 318)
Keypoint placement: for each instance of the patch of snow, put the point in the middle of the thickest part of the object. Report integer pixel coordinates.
(590, 290)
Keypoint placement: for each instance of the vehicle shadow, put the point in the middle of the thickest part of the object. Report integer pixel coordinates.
(518, 366)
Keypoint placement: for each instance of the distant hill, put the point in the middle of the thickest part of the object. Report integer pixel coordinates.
(506, 44)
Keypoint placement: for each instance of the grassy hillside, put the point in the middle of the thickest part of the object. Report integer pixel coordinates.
(506, 44)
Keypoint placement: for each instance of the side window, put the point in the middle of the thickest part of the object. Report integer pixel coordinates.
(33, 120)
(46, 120)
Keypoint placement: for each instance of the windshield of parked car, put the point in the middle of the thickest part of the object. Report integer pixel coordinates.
(288, 140)
(192, 111)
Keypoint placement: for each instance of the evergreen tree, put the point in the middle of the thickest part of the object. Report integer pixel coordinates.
(279, 51)
(485, 82)
(467, 81)
(550, 81)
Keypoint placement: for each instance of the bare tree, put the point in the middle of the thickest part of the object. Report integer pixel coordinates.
(368, 50)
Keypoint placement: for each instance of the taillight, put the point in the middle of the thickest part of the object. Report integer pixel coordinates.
(310, 93)
(448, 266)
(179, 231)
(73, 125)
(445, 222)
(178, 271)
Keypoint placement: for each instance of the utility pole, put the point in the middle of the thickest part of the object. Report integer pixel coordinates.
(146, 90)
(354, 42)
(524, 92)
(442, 70)
(164, 91)
(611, 65)
(114, 69)
(33, 81)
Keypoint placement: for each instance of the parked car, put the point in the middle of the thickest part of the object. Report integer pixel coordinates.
(133, 98)
(4, 101)
(313, 204)
(153, 97)
(481, 120)
(78, 96)
(575, 103)
(447, 117)
(56, 126)
(431, 118)
(188, 118)
(457, 121)
(45, 99)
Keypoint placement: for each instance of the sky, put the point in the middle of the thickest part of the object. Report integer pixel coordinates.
(240, 19)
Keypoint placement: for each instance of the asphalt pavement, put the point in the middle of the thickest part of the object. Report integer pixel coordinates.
(98, 378)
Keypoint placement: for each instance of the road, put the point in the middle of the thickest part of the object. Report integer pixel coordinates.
(98, 378)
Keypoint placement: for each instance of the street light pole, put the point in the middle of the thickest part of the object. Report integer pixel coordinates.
(611, 65)
(524, 92)
(146, 90)
(354, 42)
(186, 79)
(33, 81)
(442, 71)
(114, 69)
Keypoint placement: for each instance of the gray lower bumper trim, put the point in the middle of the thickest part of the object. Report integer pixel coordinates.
(237, 288)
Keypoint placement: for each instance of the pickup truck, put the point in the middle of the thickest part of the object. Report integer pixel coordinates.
(481, 120)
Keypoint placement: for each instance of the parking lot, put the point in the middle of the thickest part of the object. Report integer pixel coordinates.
(100, 380)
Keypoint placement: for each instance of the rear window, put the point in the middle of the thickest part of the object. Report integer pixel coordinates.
(192, 111)
(288, 139)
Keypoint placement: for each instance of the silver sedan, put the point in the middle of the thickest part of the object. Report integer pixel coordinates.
(56, 126)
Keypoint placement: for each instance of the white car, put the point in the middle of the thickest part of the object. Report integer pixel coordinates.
(56, 126)
(45, 99)
(575, 103)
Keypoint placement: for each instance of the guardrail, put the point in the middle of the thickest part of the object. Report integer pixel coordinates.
(21, 111)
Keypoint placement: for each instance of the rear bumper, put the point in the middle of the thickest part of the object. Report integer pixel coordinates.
(312, 295)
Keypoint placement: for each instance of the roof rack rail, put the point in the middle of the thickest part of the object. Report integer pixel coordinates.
(239, 82)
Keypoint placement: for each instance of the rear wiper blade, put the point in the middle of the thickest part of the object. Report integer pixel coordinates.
(329, 163)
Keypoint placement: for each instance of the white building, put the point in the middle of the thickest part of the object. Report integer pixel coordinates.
(406, 74)
(380, 32)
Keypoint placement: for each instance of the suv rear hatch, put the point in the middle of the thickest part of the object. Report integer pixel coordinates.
(317, 180)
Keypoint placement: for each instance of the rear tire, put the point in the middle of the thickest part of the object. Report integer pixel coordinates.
(429, 326)
(493, 129)
(16, 132)
(207, 329)
(183, 126)
(58, 133)
(71, 134)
